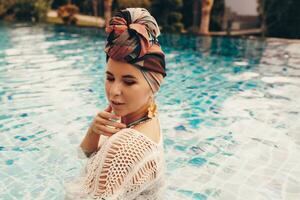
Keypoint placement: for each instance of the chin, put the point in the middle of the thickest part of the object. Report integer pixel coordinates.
(119, 113)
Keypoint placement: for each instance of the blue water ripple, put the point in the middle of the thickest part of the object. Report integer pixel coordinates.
(198, 161)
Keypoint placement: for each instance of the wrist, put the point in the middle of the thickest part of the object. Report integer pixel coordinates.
(92, 133)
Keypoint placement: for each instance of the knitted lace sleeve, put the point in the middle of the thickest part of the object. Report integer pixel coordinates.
(124, 167)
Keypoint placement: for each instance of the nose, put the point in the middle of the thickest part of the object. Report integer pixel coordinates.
(115, 89)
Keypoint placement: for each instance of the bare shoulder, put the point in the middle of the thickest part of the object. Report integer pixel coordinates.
(150, 129)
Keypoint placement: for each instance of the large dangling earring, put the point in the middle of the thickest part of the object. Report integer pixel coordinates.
(152, 109)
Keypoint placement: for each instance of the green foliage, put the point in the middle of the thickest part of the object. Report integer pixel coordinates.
(133, 4)
(188, 12)
(85, 6)
(191, 11)
(42, 7)
(280, 18)
(174, 4)
(57, 3)
(174, 17)
(217, 13)
(168, 15)
(25, 10)
(174, 28)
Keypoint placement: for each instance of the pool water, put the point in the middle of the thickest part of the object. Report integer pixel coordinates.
(229, 110)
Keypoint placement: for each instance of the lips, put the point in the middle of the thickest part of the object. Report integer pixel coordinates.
(116, 103)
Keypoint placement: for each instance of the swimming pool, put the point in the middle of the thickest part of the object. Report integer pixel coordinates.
(229, 110)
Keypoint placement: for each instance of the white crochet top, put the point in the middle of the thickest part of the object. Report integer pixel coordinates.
(128, 166)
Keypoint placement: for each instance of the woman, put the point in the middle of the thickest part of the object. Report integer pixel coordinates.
(129, 164)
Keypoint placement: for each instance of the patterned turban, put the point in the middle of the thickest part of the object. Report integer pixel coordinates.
(132, 38)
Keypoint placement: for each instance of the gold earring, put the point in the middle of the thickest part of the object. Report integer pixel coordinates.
(152, 110)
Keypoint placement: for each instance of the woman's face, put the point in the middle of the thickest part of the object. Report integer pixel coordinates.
(126, 85)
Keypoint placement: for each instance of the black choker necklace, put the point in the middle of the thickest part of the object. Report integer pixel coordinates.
(139, 121)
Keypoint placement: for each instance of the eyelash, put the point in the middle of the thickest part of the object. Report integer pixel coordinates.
(129, 83)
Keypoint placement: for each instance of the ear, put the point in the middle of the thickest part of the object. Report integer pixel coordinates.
(151, 96)
(152, 100)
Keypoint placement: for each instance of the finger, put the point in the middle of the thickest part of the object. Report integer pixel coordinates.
(106, 129)
(108, 108)
(107, 115)
(103, 121)
(106, 134)
(100, 132)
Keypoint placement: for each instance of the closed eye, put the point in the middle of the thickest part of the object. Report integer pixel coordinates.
(109, 78)
(129, 82)
(126, 82)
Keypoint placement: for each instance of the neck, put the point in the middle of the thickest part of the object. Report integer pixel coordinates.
(135, 116)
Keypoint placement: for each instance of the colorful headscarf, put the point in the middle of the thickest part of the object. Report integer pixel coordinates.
(132, 38)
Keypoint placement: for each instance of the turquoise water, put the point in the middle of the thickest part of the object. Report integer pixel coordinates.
(229, 110)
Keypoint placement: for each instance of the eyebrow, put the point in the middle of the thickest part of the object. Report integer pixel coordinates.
(125, 76)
